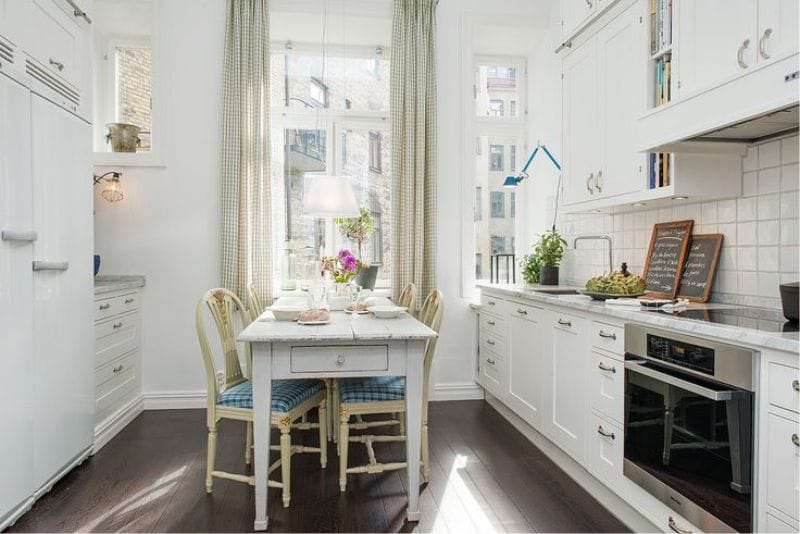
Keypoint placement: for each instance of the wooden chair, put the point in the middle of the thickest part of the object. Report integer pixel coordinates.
(408, 297)
(254, 303)
(386, 394)
(232, 397)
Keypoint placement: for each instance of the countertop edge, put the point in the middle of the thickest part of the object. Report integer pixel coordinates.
(111, 283)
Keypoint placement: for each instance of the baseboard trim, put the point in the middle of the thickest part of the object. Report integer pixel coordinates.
(612, 502)
(175, 400)
(451, 392)
(111, 425)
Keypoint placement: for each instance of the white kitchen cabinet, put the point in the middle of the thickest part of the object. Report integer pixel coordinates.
(605, 451)
(568, 403)
(16, 303)
(783, 465)
(607, 385)
(526, 363)
(580, 123)
(492, 340)
(777, 28)
(575, 13)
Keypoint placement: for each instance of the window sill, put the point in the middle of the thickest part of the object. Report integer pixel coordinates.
(127, 159)
(377, 292)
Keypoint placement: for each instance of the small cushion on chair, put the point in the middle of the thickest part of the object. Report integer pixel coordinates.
(286, 394)
(374, 388)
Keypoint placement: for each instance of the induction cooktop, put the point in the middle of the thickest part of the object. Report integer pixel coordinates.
(755, 318)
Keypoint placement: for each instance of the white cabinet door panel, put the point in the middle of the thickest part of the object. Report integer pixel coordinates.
(64, 341)
(777, 28)
(574, 13)
(16, 298)
(526, 364)
(783, 465)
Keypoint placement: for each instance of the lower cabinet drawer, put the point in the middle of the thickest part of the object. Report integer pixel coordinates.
(608, 337)
(776, 525)
(607, 383)
(115, 337)
(491, 343)
(783, 464)
(114, 380)
(491, 373)
(339, 359)
(784, 386)
(606, 451)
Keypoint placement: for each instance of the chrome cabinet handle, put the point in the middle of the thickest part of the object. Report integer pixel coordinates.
(18, 235)
(105, 306)
(491, 323)
(522, 311)
(564, 323)
(606, 368)
(740, 54)
(589, 4)
(675, 528)
(589, 183)
(78, 12)
(605, 434)
(607, 335)
(490, 342)
(118, 368)
(762, 49)
(57, 64)
(490, 361)
(39, 265)
(491, 302)
(129, 300)
(796, 385)
(597, 182)
(115, 326)
(796, 440)
(340, 360)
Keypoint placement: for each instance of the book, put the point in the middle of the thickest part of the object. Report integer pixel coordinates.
(652, 171)
(653, 26)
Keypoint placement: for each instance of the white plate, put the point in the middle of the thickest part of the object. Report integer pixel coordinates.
(356, 312)
(387, 312)
(312, 323)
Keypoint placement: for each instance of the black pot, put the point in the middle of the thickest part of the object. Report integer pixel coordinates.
(548, 276)
(789, 300)
(367, 276)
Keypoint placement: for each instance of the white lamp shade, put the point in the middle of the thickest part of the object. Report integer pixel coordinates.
(329, 197)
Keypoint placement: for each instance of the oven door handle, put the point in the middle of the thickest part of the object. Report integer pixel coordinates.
(712, 394)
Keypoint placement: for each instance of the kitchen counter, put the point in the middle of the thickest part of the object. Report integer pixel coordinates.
(112, 282)
(782, 341)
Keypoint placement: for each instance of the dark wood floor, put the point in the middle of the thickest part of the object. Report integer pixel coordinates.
(486, 477)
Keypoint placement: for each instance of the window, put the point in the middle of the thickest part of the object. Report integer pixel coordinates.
(498, 244)
(375, 151)
(513, 108)
(318, 93)
(478, 266)
(512, 156)
(496, 108)
(512, 204)
(497, 201)
(478, 208)
(496, 157)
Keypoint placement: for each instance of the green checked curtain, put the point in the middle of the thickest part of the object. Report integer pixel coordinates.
(413, 124)
(246, 236)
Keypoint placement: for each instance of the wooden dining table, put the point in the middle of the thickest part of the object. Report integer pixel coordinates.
(348, 346)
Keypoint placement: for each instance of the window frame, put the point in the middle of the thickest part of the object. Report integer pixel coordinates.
(492, 153)
(500, 213)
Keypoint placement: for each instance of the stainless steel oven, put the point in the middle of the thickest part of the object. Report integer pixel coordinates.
(689, 425)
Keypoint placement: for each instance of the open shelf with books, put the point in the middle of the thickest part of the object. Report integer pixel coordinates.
(660, 85)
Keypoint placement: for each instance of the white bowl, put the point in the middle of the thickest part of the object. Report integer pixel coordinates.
(285, 313)
(387, 312)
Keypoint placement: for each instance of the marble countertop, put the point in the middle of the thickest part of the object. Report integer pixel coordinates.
(782, 341)
(112, 282)
(342, 327)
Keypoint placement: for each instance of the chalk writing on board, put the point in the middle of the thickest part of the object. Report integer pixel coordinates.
(666, 255)
(700, 267)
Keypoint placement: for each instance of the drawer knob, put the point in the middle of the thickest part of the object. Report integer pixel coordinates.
(490, 342)
(522, 312)
(129, 300)
(602, 432)
(606, 368)
(118, 368)
(105, 306)
(340, 360)
(117, 325)
(562, 322)
(796, 385)
(607, 335)
(675, 528)
(795, 440)
(490, 361)
(491, 323)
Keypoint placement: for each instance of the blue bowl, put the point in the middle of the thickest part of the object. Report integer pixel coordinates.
(96, 264)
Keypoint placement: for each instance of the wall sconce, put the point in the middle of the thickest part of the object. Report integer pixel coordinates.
(112, 189)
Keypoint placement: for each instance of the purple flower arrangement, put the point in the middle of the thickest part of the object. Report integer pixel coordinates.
(343, 267)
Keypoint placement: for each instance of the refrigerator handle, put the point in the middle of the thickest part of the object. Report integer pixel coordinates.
(50, 265)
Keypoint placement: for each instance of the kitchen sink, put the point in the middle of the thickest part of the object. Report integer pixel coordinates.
(556, 290)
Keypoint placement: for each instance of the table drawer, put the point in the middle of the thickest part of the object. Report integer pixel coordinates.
(784, 386)
(116, 337)
(339, 359)
(492, 343)
(608, 337)
(110, 306)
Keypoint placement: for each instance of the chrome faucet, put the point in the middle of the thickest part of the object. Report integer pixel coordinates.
(604, 237)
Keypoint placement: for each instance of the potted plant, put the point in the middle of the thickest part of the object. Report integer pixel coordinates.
(358, 229)
(541, 266)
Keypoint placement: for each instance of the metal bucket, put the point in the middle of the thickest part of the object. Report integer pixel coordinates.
(123, 137)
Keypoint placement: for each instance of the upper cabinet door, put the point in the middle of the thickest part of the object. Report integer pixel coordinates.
(580, 118)
(717, 40)
(777, 28)
(574, 13)
(621, 70)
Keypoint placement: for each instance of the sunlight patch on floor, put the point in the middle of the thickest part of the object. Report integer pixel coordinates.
(457, 497)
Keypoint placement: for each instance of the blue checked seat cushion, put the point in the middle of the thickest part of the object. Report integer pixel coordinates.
(373, 388)
(286, 394)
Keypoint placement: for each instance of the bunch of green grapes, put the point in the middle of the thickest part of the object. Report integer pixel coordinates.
(617, 283)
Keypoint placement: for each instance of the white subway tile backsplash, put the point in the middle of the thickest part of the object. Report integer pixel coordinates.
(769, 155)
(750, 160)
(746, 209)
(727, 258)
(641, 238)
(750, 184)
(768, 233)
(768, 259)
(790, 177)
(789, 208)
(789, 151)
(747, 258)
(679, 212)
(768, 207)
(790, 258)
(693, 212)
(746, 234)
(769, 180)
(729, 234)
(640, 220)
(708, 213)
(727, 281)
(768, 285)
(664, 215)
(726, 211)
(748, 283)
(790, 232)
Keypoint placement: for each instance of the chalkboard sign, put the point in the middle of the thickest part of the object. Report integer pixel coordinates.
(700, 267)
(665, 258)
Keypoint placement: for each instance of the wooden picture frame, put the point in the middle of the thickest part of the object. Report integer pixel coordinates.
(707, 270)
(670, 291)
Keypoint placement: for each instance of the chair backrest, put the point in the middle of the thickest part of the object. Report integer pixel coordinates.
(253, 302)
(223, 305)
(431, 316)
(408, 297)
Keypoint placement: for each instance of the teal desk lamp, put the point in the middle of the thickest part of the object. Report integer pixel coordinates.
(513, 181)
